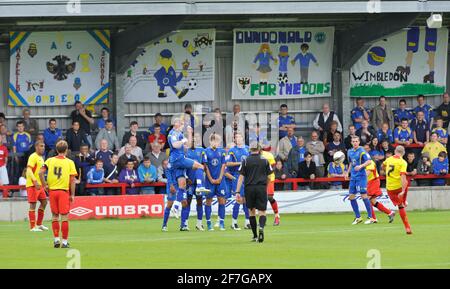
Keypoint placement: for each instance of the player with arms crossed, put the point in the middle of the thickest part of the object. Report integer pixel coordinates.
(61, 173)
(397, 184)
(35, 190)
(358, 160)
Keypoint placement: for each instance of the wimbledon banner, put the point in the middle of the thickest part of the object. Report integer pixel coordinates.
(280, 63)
(411, 62)
(58, 68)
(177, 68)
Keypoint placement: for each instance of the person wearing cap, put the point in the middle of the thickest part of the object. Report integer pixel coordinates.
(159, 120)
(255, 172)
(167, 77)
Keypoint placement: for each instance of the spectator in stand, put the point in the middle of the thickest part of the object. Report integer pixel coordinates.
(135, 150)
(84, 119)
(334, 146)
(443, 110)
(324, 120)
(105, 115)
(156, 156)
(329, 134)
(3, 122)
(441, 132)
(76, 137)
(157, 136)
(386, 147)
(239, 123)
(189, 118)
(376, 152)
(360, 113)
(424, 168)
(421, 129)
(147, 175)
(316, 148)
(112, 174)
(83, 161)
(281, 173)
(259, 136)
(411, 169)
(22, 142)
(285, 122)
(348, 138)
(336, 170)
(439, 166)
(403, 134)
(7, 139)
(295, 157)
(382, 113)
(23, 182)
(141, 139)
(401, 113)
(4, 179)
(51, 135)
(385, 133)
(126, 157)
(286, 144)
(161, 175)
(103, 153)
(425, 108)
(96, 176)
(31, 125)
(307, 170)
(129, 176)
(39, 138)
(365, 133)
(215, 123)
(159, 121)
(109, 134)
(434, 147)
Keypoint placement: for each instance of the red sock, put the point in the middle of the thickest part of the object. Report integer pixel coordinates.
(274, 206)
(40, 217)
(55, 228)
(382, 208)
(65, 229)
(32, 217)
(402, 212)
(373, 212)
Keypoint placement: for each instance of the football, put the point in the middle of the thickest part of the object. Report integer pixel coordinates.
(192, 84)
(339, 157)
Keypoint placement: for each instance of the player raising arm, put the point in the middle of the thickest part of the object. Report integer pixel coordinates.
(61, 173)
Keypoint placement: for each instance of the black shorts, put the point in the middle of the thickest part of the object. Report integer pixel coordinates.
(256, 197)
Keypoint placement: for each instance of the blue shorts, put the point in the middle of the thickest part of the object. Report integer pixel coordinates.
(219, 191)
(229, 186)
(183, 163)
(358, 186)
(412, 39)
(178, 196)
(430, 39)
(242, 192)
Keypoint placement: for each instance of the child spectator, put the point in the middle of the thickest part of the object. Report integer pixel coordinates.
(424, 168)
(336, 170)
(385, 133)
(4, 179)
(22, 182)
(386, 147)
(439, 166)
(441, 132)
(147, 174)
(96, 176)
(307, 170)
(129, 176)
(281, 173)
(334, 146)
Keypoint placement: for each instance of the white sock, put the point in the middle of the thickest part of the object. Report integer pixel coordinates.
(56, 239)
(64, 242)
(199, 223)
(247, 221)
(234, 221)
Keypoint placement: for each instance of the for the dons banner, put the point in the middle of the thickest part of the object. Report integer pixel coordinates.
(280, 63)
(177, 68)
(411, 62)
(58, 68)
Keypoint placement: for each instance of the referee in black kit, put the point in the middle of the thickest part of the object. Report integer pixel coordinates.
(254, 173)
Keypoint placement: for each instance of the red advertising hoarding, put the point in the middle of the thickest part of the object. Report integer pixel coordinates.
(98, 207)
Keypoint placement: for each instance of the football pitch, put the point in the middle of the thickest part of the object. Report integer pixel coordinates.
(301, 241)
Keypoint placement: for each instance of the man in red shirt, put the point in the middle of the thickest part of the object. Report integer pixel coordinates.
(4, 180)
(157, 136)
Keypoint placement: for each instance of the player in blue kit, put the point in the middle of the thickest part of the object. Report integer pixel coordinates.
(358, 160)
(215, 170)
(236, 156)
(171, 191)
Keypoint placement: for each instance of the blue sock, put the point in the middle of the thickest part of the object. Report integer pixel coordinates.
(368, 207)
(355, 208)
(221, 213)
(200, 177)
(208, 214)
(199, 212)
(236, 210)
(184, 215)
(176, 207)
(166, 216)
(247, 215)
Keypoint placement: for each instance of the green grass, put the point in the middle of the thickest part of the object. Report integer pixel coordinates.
(406, 89)
(302, 241)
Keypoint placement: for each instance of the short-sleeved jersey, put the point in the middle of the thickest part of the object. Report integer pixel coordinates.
(401, 114)
(441, 132)
(175, 153)
(59, 171)
(284, 120)
(357, 113)
(215, 159)
(22, 141)
(197, 154)
(394, 166)
(427, 111)
(269, 157)
(3, 155)
(35, 163)
(337, 169)
(403, 134)
(357, 157)
(237, 154)
(372, 172)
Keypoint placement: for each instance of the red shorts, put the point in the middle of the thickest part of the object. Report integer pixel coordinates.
(271, 188)
(60, 202)
(396, 200)
(373, 188)
(35, 195)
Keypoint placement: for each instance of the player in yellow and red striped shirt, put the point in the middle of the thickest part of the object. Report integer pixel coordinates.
(374, 191)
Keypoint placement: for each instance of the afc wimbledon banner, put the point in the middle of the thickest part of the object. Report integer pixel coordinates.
(177, 68)
(408, 63)
(279, 63)
(58, 68)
